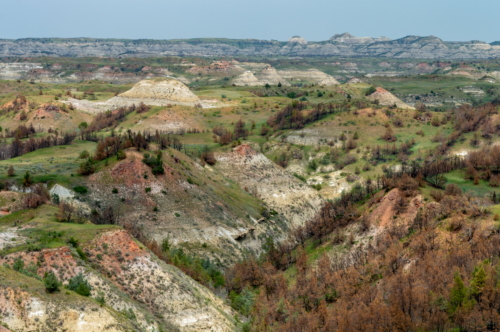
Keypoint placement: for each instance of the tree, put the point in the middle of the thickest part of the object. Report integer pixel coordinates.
(389, 135)
(27, 180)
(51, 282)
(478, 282)
(79, 285)
(239, 130)
(370, 90)
(87, 167)
(11, 172)
(437, 180)
(65, 213)
(23, 116)
(458, 293)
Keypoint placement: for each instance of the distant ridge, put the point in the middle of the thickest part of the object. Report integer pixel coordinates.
(427, 47)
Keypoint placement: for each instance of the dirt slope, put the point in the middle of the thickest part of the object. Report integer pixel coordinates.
(269, 182)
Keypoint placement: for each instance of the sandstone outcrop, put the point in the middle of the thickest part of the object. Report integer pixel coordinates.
(14, 71)
(281, 190)
(388, 99)
(247, 79)
(297, 40)
(158, 92)
(310, 75)
(268, 75)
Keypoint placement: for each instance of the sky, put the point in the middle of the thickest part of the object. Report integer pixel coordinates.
(314, 20)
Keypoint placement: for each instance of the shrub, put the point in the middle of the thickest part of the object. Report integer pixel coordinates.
(79, 285)
(313, 164)
(452, 190)
(27, 180)
(209, 158)
(494, 181)
(56, 199)
(18, 264)
(156, 164)
(87, 167)
(437, 195)
(82, 254)
(73, 242)
(51, 282)
(84, 154)
(370, 90)
(101, 299)
(120, 155)
(398, 122)
(81, 190)
(242, 302)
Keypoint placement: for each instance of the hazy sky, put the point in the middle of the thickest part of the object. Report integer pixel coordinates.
(453, 20)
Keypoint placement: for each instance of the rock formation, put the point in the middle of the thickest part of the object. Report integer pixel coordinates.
(297, 40)
(159, 92)
(310, 75)
(386, 98)
(247, 79)
(416, 47)
(270, 76)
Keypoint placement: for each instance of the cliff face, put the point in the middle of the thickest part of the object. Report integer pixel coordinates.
(339, 45)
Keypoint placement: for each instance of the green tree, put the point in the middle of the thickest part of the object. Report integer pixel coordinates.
(51, 283)
(458, 294)
(87, 167)
(27, 180)
(18, 264)
(79, 285)
(477, 282)
(370, 90)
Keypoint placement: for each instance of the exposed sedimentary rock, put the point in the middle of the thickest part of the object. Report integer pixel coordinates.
(247, 79)
(270, 76)
(159, 92)
(416, 47)
(388, 99)
(310, 75)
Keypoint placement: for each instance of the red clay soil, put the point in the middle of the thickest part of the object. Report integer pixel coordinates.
(109, 251)
(115, 249)
(383, 214)
(59, 260)
(244, 150)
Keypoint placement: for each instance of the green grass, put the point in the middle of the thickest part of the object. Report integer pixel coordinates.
(44, 231)
(55, 163)
(457, 177)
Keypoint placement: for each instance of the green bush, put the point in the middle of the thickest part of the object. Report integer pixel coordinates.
(79, 285)
(120, 155)
(18, 264)
(87, 167)
(82, 254)
(51, 282)
(156, 164)
(370, 90)
(73, 242)
(242, 302)
(81, 190)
